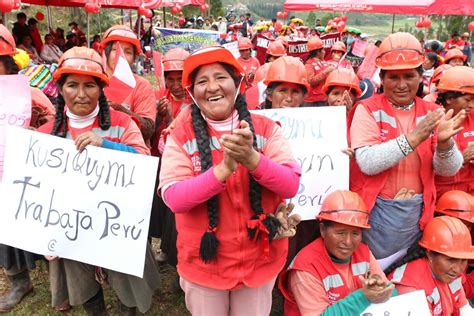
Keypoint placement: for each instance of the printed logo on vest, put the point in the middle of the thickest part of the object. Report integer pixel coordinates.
(438, 310)
(196, 161)
(333, 297)
(383, 134)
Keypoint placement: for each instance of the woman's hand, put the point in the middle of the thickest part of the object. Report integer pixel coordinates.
(239, 146)
(349, 152)
(448, 127)
(164, 107)
(424, 129)
(224, 169)
(375, 289)
(468, 154)
(88, 138)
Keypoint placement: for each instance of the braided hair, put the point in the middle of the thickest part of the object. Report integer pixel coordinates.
(60, 119)
(209, 241)
(311, 54)
(414, 252)
(11, 68)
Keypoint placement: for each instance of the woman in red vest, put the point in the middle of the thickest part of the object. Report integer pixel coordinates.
(83, 115)
(456, 92)
(438, 72)
(400, 143)
(460, 204)
(336, 274)
(437, 265)
(225, 172)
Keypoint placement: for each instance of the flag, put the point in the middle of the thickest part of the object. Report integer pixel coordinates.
(255, 95)
(122, 82)
(159, 73)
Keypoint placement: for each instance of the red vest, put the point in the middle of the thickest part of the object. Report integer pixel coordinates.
(369, 186)
(239, 259)
(313, 67)
(315, 259)
(119, 123)
(418, 274)
(464, 179)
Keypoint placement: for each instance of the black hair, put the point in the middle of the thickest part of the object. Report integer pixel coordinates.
(20, 15)
(454, 34)
(209, 241)
(9, 64)
(419, 70)
(433, 57)
(108, 49)
(60, 120)
(312, 54)
(414, 252)
(444, 96)
(32, 21)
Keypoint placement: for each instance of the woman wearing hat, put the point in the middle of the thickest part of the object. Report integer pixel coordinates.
(141, 104)
(286, 83)
(249, 64)
(17, 262)
(275, 50)
(338, 51)
(225, 172)
(84, 116)
(436, 266)
(438, 72)
(336, 274)
(456, 93)
(455, 57)
(342, 88)
(400, 143)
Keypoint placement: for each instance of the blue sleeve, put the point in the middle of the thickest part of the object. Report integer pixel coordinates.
(117, 146)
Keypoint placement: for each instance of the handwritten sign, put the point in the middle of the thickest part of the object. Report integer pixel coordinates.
(15, 106)
(316, 136)
(410, 304)
(92, 206)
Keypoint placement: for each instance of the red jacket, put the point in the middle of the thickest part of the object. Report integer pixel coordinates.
(315, 67)
(315, 260)
(239, 259)
(369, 186)
(464, 179)
(418, 274)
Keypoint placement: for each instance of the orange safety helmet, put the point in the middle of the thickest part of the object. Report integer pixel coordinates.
(458, 204)
(315, 43)
(83, 61)
(459, 78)
(283, 40)
(339, 47)
(454, 53)
(438, 72)
(7, 42)
(121, 33)
(449, 236)
(244, 43)
(211, 55)
(287, 69)
(345, 207)
(174, 59)
(399, 51)
(276, 48)
(343, 77)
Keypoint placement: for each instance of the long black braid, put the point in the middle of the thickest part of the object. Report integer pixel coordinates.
(414, 252)
(60, 119)
(209, 241)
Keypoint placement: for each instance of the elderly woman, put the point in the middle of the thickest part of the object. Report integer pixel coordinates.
(338, 255)
(225, 173)
(436, 265)
(456, 93)
(400, 143)
(84, 116)
(141, 104)
(17, 262)
(286, 83)
(342, 88)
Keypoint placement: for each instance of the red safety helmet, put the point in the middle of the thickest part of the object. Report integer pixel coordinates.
(345, 207)
(276, 48)
(438, 72)
(459, 78)
(399, 51)
(7, 42)
(174, 59)
(83, 61)
(458, 204)
(454, 53)
(343, 77)
(287, 69)
(449, 236)
(244, 43)
(211, 55)
(121, 33)
(339, 47)
(315, 43)
(262, 71)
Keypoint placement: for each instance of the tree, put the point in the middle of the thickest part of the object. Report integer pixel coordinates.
(216, 8)
(311, 19)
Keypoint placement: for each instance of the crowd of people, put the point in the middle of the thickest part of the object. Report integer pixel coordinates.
(225, 171)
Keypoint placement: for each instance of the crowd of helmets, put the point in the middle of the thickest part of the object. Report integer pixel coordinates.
(325, 76)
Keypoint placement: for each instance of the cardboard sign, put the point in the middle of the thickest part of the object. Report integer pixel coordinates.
(316, 136)
(92, 206)
(15, 106)
(410, 304)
